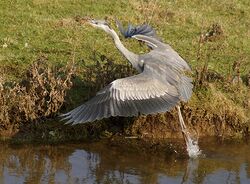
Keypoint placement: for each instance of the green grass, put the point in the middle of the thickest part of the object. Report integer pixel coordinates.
(48, 27)
(31, 28)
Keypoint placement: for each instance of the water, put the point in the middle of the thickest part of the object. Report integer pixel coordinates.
(100, 163)
(193, 148)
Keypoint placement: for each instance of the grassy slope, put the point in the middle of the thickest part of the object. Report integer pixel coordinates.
(42, 27)
(47, 28)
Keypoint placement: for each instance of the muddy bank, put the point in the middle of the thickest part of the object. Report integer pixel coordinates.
(199, 122)
(147, 132)
(215, 109)
(151, 129)
(226, 122)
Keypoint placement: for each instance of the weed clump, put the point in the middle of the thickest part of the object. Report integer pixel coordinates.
(213, 33)
(39, 95)
(103, 71)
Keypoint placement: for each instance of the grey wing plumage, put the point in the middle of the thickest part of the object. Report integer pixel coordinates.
(131, 96)
(171, 62)
(185, 88)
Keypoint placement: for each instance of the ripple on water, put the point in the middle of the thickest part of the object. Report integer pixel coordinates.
(99, 163)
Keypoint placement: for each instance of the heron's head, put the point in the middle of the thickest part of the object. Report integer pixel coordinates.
(102, 24)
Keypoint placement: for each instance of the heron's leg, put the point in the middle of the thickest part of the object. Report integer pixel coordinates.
(191, 143)
(183, 126)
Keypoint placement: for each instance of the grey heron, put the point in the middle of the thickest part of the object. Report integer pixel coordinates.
(160, 85)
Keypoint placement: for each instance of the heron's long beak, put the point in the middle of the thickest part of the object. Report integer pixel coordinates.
(92, 22)
(99, 24)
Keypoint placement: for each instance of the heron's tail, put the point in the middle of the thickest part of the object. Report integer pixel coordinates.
(185, 88)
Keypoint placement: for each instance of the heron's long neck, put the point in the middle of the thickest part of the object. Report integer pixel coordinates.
(132, 57)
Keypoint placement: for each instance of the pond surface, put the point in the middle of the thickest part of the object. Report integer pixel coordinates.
(99, 163)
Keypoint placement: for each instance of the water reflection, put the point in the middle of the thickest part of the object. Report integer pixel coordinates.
(99, 163)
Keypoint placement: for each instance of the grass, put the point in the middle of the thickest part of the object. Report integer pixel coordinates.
(30, 28)
(33, 28)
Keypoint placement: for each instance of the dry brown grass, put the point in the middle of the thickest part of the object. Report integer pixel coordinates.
(213, 114)
(39, 95)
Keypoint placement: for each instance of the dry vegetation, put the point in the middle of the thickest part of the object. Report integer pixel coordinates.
(39, 95)
(213, 36)
(103, 71)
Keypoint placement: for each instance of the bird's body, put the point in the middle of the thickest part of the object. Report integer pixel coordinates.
(158, 87)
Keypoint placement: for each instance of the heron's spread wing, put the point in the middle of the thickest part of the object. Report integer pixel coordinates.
(139, 94)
